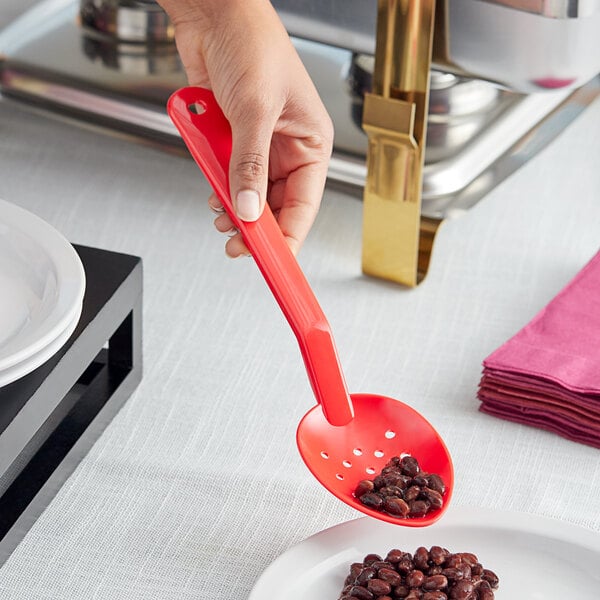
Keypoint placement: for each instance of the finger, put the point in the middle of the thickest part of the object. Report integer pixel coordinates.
(249, 164)
(235, 247)
(299, 198)
(215, 205)
(224, 224)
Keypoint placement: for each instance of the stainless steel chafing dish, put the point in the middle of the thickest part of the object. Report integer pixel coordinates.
(433, 102)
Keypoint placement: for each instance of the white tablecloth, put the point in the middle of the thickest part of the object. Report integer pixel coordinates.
(197, 485)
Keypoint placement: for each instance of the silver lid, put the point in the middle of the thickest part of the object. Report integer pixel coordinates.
(141, 21)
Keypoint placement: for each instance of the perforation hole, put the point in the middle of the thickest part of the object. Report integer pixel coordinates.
(339, 476)
(371, 470)
(378, 453)
(324, 455)
(357, 452)
(389, 434)
(347, 464)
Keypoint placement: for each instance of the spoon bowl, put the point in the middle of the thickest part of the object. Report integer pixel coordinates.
(341, 456)
(344, 439)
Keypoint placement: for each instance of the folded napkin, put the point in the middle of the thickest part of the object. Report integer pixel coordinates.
(548, 374)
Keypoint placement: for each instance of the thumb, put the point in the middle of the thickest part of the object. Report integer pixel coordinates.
(249, 168)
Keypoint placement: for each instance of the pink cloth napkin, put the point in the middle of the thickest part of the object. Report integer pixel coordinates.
(548, 374)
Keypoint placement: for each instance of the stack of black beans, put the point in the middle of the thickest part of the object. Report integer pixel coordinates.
(434, 574)
(402, 490)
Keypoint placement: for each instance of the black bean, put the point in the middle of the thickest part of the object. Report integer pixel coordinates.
(469, 558)
(484, 590)
(434, 498)
(364, 487)
(372, 500)
(438, 555)
(412, 493)
(415, 578)
(378, 587)
(396, 507)
(435, 582)
(397, 479)
(491, 578)
(462, 590)
(420, 480)
(481, 584)
(453, 573)
(405, 566)
(366, 574)
(355, 569)
(418, 508)
(395, 555)
(435, 482)
(453, 561)
(390, 575)
(379, 481)
(361, 593)
(391, 490)
(409, 465)
(421, 558)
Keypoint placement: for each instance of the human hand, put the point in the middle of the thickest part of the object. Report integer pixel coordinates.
(282, 135)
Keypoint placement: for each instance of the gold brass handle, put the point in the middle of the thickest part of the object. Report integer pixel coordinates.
(397, 243)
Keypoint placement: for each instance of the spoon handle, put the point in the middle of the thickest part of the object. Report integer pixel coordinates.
(207, 134)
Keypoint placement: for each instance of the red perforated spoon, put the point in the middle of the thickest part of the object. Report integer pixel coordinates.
(344, 439)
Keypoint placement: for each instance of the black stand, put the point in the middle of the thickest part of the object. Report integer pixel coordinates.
(50, 418)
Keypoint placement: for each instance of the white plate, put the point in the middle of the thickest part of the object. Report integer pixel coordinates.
(33, 362)
(42, 282)
(534, 557)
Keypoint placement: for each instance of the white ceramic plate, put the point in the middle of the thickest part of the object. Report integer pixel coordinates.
(33, 362)
(42, 282)
(534, 557)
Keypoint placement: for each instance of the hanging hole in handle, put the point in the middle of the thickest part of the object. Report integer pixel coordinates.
(197, 108)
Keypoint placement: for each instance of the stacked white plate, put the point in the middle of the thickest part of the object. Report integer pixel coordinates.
(42, 283)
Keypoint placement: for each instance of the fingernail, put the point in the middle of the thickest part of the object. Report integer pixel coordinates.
(248, 205)
(216, 210)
